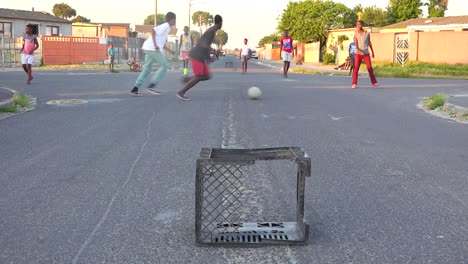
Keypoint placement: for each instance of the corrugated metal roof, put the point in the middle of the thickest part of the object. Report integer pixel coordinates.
(30, 15)
(435, 21)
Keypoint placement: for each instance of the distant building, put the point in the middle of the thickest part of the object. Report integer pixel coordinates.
(13, 22)
(101, 30)
(433, 24)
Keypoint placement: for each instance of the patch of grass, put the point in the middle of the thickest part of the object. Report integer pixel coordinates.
(10, 108)
(22, 100)
(420, 70)
(435, 101)
(303, 70)
(463, 116)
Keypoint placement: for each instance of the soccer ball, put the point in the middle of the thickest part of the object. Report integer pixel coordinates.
(254, 93)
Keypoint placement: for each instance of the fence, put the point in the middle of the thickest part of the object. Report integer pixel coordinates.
(72, 50)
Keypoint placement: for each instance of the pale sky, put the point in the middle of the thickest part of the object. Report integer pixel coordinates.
(252, 19)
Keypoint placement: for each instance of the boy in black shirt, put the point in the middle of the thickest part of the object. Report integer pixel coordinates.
(199, 57)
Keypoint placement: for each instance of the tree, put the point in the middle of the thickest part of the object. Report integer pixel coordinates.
(202, 18)
(310, 20)
(375, 16)
(149, 20)
(221, 38)
(80, 19)
(269, 39)
(63, 10)
(401, 10)
(436, 8)
(195, 36)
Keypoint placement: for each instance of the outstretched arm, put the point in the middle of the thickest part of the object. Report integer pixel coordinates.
(371, 48)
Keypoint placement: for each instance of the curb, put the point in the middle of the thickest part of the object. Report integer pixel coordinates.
(9, 100)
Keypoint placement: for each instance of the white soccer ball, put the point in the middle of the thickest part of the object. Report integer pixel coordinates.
(254, 93)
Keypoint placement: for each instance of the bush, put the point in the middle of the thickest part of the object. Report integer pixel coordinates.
(328, 58)
(437, 100)
(22, 100)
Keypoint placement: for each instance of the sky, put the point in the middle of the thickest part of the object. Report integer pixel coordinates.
(251, 19)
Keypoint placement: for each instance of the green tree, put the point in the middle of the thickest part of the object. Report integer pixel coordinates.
(436, 8)
(63, 10)
(375, 16)
(310, 20)
(202, 18)
(221, 38)
(149, 20)
(269, 39)
(195, 36)
(401, 10)
(80, 19)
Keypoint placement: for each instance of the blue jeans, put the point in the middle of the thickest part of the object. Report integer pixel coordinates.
(152, 56)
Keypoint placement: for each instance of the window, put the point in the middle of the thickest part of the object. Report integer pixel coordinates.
(52, 31)
(35, 28)
(5, 29)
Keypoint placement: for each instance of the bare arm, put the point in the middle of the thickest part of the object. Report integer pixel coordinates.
(153, 36)
(36, 45)
(180, 42)
(356, 43)
(370, 46)
(22, 47)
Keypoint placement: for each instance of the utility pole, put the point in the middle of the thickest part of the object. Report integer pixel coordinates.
(189, 7)
(155, 12)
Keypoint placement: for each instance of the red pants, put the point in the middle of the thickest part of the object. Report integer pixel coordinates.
(357, 63)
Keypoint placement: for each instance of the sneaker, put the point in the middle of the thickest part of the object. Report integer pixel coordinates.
(134, 91)
(375, 85)
(153, 91)
(183, 97)
(151, 85)
(354, 86)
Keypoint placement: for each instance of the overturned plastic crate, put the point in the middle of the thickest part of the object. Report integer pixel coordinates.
(219, 188)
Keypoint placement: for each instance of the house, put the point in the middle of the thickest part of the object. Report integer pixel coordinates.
(101, 30)
(436, 40)
(13, 22)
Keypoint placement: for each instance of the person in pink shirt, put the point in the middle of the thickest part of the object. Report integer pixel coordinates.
(30, 44)
(286, 52)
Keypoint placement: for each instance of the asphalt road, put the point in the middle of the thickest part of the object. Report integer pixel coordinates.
(109, 178)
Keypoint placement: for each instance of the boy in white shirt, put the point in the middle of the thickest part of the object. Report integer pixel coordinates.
(152, 48)
(245, 56)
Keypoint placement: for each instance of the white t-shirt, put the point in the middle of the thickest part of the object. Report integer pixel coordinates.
(161, 37)
(245, 50)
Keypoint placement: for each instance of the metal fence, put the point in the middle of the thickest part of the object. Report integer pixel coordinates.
(10, 51)
(219, 194)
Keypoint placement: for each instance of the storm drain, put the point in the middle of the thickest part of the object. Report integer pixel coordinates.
(219, 189)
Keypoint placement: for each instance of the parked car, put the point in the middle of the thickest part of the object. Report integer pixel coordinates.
(253, 54)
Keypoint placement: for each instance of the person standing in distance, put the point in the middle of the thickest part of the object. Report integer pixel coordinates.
(186, 44)
(245, 55)
(352, 52)
(199, 56)
(152, 48)
(363, 43)
(286, 52)
(30, 44)
(111, 53)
